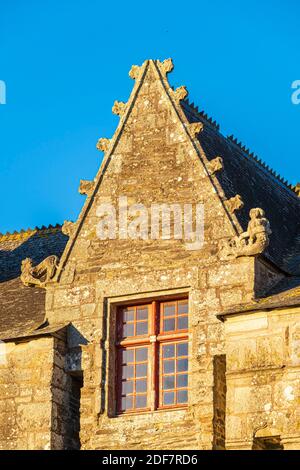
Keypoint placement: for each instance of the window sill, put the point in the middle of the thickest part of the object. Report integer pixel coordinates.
(153, 412)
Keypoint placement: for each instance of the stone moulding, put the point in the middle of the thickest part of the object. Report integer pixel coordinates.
(119, 108)
(215, 165)
(180, 93)
(103, 144)
(32, 276)
(252, 242)
(86, 187)
(235, 203)
(195, 128)
(68, 228)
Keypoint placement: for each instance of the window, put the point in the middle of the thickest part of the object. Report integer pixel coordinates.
(152, 356)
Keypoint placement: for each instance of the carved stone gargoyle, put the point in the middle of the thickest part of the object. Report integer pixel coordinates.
(252, 242)
(38, 275)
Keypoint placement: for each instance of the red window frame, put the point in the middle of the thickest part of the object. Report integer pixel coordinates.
(154, 340)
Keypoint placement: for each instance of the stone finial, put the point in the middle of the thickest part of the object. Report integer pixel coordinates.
(215, 165)
(103, 144)
(86, 187)
(180, 93)
(134, 72)
(68, 228)
(235, 203)
(38, 275)
(297, 189)
(119, 108)
(195, 128)
(166, 66)
(252, 242)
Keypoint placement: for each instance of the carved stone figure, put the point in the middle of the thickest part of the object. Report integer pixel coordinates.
(215, 165)
(86, 187)
(252, 242)
(195, 128)
(38, 275)
(180, 93)
(68, 228)
(134, 72)
(235, 203)
(103, 144)
(119, 108)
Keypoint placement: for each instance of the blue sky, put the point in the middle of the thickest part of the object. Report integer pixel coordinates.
(65, 62)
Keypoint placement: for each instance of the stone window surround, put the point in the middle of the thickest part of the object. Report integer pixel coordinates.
(112, 305)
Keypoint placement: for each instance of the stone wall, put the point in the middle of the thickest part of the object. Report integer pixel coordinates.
(263, 385)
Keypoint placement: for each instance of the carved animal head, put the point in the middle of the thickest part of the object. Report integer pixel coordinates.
(257, 213)
(26, 265)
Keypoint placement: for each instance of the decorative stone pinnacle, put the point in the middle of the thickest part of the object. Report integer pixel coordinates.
(195, 128)
(235, 203)
(103, 144)
(180, 93)
(215, 165)
(166, 66)
(297, 189)
(86, 187)
(134, 72)
(119, 108)
(68, 228)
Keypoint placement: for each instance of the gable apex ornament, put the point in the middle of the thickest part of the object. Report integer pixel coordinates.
(180, 93)
(252, 242)
(103, 144)
(166, 66)
(119, 108)
(38, 276)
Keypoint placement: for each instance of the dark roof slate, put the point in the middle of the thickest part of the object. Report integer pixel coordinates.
(258, 187)
(22, 309)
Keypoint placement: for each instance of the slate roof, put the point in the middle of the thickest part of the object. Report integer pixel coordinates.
(259, 187)
(22, 309)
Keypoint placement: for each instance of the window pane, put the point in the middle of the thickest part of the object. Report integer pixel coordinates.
(182, 396)
(182, 349)
(169, 310)
(182, 323)
(169, 382)
(141, 370)
(182, 365)
(127, 387)
(142, 313)
(169, 350)
(141, 354)
(128, 330)
(141, 401)
(141, 386)
(168, 398)
(182, 307)
(182, 380)
(127, 403)
(127, 372)
(169, 366)
(127, 356)
(128, 315)
(169, 325)
(141, 328)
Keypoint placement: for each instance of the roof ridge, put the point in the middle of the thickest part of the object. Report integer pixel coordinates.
(263, 164)
(23, 233)
(202, 113)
